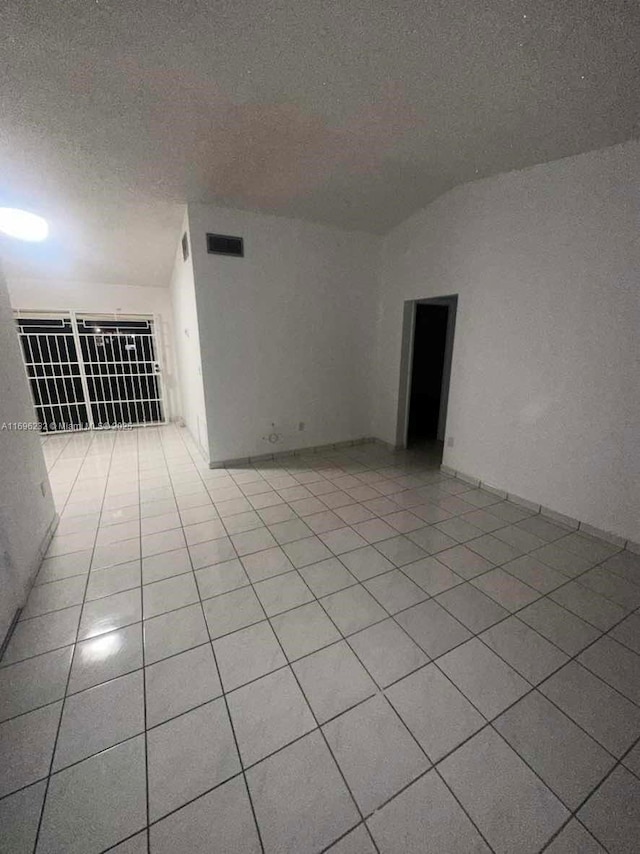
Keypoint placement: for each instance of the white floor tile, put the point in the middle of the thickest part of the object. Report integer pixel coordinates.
(169, 594)
(353, 609)
(268, 714)
(431, 575)
(221, 578)
(96, 803)
(333, 680)
(174, 632)
(288, 556)
(610, 814)
(304, 630)
(223, 815)
(366, 562)
(115, 579)
(425, 819)
(112, 612)
(512, 808)
(165, 565)
(247, 654)
(471, 607)
(42, 634)
(394, 591)
(525, 650)
(433, 628)
(570, 762)
(387, 652)
(105, 657)
(298, 811)
(35, 682)
(189, 755)
(26, 747)
(282, 593)
(375, 752)
(611, 719)
(180, 683)
(54, 596)
(86, 728)
(232, 611)
(436, 713)
(19, 818)
(486, 680)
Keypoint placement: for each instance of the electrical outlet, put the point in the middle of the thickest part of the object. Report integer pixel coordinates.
(274, 436)
(450, 442)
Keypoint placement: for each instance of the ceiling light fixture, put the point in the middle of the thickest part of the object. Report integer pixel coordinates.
(23, 225)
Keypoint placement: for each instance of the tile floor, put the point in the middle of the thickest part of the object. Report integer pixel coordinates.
(343, 651)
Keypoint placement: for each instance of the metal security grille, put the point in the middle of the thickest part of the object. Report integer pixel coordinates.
(122, 373)
(89, 371)
(51, 360)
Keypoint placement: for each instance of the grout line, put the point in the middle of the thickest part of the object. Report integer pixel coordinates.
(63, 702)
(364, 700)
(356, 581)
(230, 719)
(564, 826)
(343, 637)
(402, 722)
(401, 568)
(568, 580)
(346, 638)
(574, 813)
(144, 668)
(311, 710)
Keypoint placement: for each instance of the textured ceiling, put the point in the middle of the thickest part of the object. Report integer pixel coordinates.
(114, 114)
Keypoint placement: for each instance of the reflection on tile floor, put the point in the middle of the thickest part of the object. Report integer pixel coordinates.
(344, 651)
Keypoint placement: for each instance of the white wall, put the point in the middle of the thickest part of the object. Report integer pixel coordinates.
(286, 332)
(544, 398)
(187, 340)
(62, 295)
(26, 514)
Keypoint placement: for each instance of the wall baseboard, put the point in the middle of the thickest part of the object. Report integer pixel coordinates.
(42, 550)
(550, 513)
(9, 632)
(33, 572)
(294, 452)
(389, 446)
(179, 421)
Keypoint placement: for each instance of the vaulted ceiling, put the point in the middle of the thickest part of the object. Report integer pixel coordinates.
(351, 113)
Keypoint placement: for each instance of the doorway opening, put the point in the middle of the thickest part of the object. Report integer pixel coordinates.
(91, 371)
(428, 333)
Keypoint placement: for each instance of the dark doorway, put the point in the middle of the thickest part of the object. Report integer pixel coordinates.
(431, 365)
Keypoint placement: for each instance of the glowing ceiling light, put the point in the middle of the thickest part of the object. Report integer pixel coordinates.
(23, 225)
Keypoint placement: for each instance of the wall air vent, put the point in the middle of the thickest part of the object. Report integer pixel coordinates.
(185, 246)
(223, 244)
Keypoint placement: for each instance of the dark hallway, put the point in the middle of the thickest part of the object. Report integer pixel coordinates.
(428, 367)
